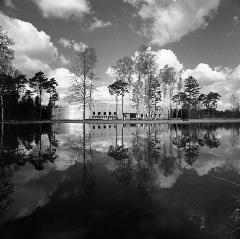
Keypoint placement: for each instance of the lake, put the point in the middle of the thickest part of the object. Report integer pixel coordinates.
(120, 181)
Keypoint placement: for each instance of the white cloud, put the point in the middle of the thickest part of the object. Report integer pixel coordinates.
(34, 49)
(168, 21)
(205, 74)
(167, 57)
(9, 3)
(63, 9)
(225, 81)
(77, 46)
(102, 94)
(63, 60)
(97, 24)
(110, 72)
(63, 78)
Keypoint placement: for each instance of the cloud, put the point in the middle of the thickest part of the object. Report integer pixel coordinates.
(102, 94)
(110, 72)
(97, 24)
(63, 78)
(63, 9)
(63, 60)
(225, 81)
(34, 49)
(9, 3)
(167, 57)
(77, 46)
(236, 19)
(168, 21)
(205, 74)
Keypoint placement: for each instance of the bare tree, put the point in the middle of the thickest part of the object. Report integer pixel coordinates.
(83, 70)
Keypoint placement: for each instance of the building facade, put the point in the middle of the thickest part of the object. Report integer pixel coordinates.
(105, 111)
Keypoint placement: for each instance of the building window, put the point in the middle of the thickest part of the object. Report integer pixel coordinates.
(104, 126)
(99, 113)
(104, 113)
(109, 126)
(94, 113)
(109, 113)
(146, 115)
(141, 115)
(99, 127)
(114, 113)
(93, 127)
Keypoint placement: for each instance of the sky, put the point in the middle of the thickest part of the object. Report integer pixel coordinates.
(199, 37)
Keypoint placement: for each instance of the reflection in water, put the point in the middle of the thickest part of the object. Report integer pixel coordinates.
(90, 179)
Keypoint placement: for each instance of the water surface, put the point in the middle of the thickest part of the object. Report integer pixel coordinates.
(120, 181)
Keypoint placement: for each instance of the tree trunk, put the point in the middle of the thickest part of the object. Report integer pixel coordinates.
(116, 106)
(122, 108)
(2, 108)
(90, 104)
(176, 111)
(122, 135)
(84, 91)
(189, 113)
(40, 110)
(2, 103)
(116, 134)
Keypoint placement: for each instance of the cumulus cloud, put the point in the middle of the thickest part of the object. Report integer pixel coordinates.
(205, 74)
(110, 72)
(102, 94)
(9, 3)
(225, 81)
(77, 46)
(63, 77)
(34, 49)
(167, 57)
(63, 9)
(63, 60)
(97, 24)
(168, 21)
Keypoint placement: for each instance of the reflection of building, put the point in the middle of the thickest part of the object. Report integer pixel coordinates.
(108, 111)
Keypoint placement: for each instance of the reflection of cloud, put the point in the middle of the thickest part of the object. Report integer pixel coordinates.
(30, 191)
(167, 181)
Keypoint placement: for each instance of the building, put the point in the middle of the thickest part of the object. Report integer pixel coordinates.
(101, 111)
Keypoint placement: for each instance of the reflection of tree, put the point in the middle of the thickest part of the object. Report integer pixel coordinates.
(82, 157)
(17, 149)
(153, 156)
(189, 138)
(135, 166)
(118, 152)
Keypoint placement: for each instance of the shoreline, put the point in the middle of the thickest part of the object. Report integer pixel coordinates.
(162, 121)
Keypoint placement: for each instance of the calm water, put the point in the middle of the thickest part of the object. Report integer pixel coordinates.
(120, 181)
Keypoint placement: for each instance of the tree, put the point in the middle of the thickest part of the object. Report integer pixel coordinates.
(124, 70)
(180, 99)
(40, 84)
(6, 53)
(235, 101)
(137, 94)
(210, 102)
(114, 89)
(83, 70)
(192, 92)
(6, 58)
(145, 66)
(168, 76)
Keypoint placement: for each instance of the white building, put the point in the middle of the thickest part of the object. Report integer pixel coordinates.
(100, 110)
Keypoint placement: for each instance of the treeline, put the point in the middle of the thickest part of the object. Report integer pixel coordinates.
(149, 85)
(21, 98)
